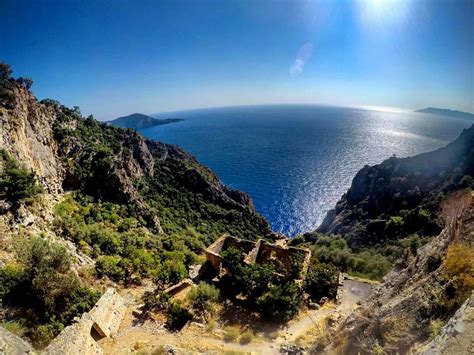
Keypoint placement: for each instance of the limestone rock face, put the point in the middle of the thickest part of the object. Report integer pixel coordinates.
(26, 131)
(12, 344)
(397, 316)
(457, 336)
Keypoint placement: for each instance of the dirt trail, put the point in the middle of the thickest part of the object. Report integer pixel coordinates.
(151, 334)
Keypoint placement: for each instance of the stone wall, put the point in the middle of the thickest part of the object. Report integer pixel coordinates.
(282, 257)
(108, 313)
(102, 321)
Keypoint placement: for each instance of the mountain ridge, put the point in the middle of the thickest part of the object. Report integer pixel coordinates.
(401, 195)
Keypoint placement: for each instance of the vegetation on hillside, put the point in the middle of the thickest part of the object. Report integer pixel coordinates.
(17, 184)
(44, 291)
(124, 248)
(401, 197)
(371, 263)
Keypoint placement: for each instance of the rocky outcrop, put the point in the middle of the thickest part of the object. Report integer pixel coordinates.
(75, 339)
(457, 336)
(102, 321)
(416, 292)
(10, 344)
(411, 188)
(26, 132)
(69, 152)
(108, 313)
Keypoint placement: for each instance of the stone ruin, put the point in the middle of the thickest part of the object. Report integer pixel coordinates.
(259, 252)
(102, 321)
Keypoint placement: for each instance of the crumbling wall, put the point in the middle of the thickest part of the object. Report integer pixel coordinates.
(281, 257)
(213, 252)
(102, 321)
(75, 339)
(108, 312)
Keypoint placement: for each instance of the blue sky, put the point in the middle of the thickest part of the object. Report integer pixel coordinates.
(116, 57)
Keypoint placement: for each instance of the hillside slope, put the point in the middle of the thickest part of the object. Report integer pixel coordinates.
(68, 152)
(401, 196)
(420, 294)
(83, 203)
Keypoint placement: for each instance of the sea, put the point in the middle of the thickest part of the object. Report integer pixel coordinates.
(296, 161)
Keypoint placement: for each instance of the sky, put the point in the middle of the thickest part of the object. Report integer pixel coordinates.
(115, 57)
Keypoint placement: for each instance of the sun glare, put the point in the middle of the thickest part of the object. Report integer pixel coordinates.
(382, 12)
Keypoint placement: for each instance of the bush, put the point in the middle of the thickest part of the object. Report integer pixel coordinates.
(459, 267)
(177, 316)
(110, 266)
(231, 334)
(11, 277)
(280, 302)
(18, 184)
(435, 327)
(211, 325)
(203, 298)
(321, 281)
(47, 287)
(246, 337)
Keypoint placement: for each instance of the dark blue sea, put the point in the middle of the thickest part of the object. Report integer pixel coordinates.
(296, 161)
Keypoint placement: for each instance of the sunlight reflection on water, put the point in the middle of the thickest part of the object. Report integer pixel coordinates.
(296, 161)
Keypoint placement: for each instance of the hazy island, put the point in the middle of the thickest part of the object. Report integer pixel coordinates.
(447, 112)
(140, 121)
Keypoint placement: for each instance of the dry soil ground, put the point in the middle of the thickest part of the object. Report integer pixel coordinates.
(150, 336)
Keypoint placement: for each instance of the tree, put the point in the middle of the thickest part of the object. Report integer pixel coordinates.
(5, 71)
(25, 82)
(280, 302)
(45, 285)
(321, 280)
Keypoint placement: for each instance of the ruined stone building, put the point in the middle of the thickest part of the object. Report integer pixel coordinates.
(259, 252)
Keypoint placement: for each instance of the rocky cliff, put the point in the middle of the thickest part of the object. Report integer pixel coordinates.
(68, 152)
(401, 196)
(420, 293)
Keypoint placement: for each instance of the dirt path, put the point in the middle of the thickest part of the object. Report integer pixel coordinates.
(151, 335)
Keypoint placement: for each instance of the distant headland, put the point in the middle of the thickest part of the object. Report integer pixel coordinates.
(140, 121)
(447, 112)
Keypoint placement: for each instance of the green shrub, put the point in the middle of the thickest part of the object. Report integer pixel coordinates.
(435, 327)
(231, 334)
(17, 183)
(211, 325)
(177, 316)
(11, 277)
(203, 298)
(246, 337)
(110, 266)
(321, 281)
(47, 287)
(14, 327)
(280, 302)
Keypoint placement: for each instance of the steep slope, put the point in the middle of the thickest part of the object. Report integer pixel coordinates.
(68, 152)
(140, 121)
(401, 196)
(420, 292)
(82, 201)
